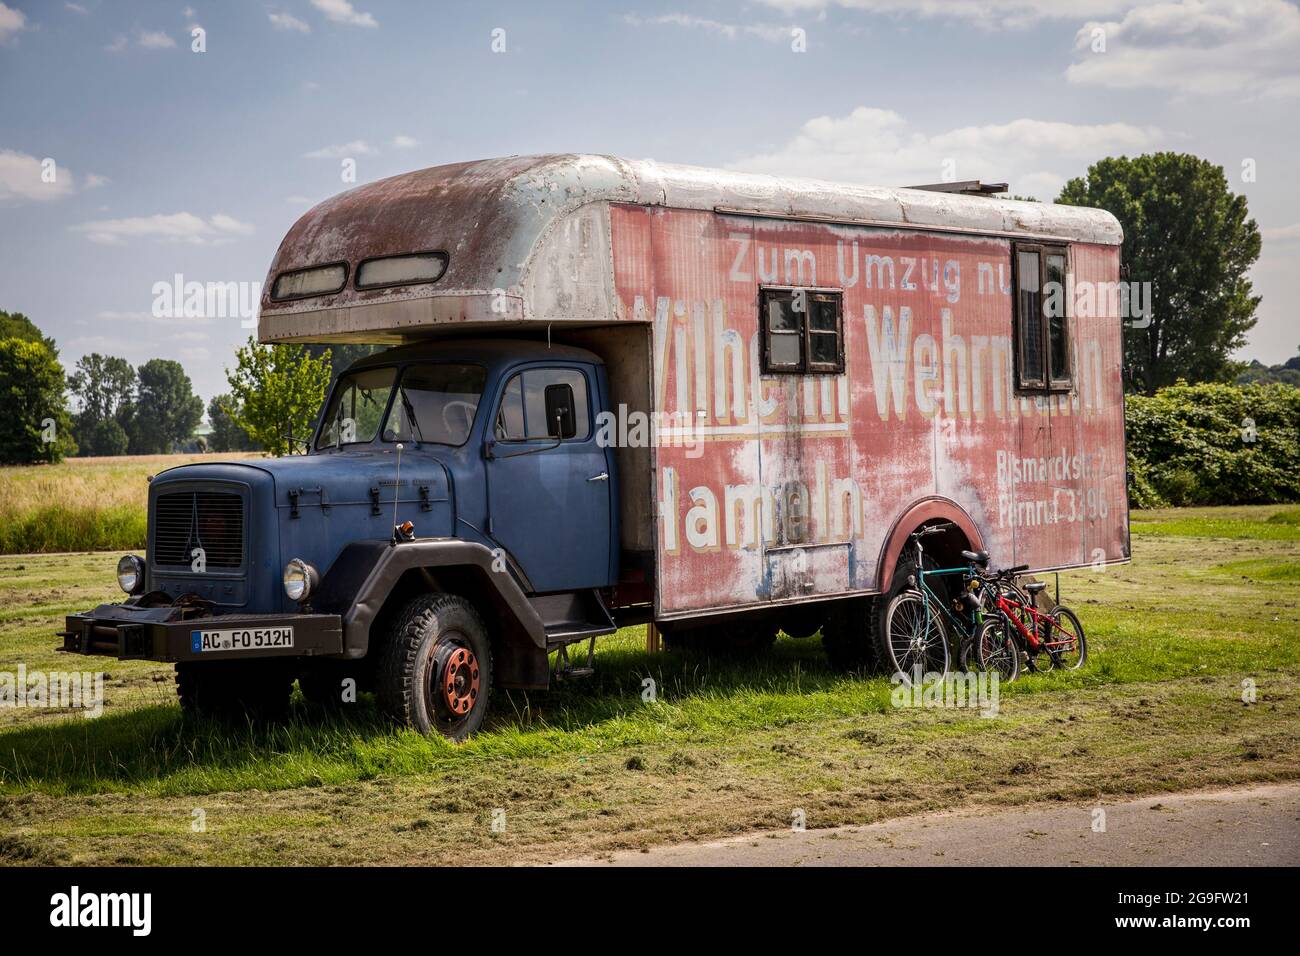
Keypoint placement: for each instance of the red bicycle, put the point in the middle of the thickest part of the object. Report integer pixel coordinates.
(1049, 640)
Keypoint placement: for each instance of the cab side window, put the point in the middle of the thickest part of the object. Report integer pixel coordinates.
(546, 403)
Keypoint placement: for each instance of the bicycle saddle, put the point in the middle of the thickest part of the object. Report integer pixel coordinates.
(1036, 588)
(977, 557)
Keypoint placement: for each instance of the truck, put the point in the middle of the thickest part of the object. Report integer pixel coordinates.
(615, 392)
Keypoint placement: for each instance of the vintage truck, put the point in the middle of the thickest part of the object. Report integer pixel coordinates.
(621, 392)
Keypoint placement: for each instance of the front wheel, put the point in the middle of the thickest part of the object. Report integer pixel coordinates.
(993, 649)
(435, 668)
(1066, 645)
(914, 640)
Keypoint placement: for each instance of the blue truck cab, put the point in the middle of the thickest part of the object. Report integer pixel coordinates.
(467, 467)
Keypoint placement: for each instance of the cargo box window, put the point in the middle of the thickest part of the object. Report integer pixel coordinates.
(401, 270)
(803, 331)
(302, 283)
(541, 404)
(1042, 327)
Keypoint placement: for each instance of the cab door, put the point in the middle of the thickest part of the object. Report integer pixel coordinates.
(550, 483)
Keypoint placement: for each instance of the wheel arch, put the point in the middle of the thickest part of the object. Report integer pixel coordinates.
(963, 535)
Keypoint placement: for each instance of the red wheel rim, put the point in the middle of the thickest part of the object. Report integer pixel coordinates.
(458, 681)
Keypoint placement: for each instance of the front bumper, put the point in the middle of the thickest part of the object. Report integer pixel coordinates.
(167, 633)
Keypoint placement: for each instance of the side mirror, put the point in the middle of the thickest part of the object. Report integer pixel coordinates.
(561, 421)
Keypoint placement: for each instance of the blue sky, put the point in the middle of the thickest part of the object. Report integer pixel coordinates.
(169, 161)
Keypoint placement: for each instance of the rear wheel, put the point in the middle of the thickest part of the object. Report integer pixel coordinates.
(236, 691)
(915, 640)
(435, 667)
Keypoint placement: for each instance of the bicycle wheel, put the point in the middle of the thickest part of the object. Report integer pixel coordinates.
(915, 638)
(1066, 645)
(994, 649)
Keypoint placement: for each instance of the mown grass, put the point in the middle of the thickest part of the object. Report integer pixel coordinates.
(726, 747)
(81, 504)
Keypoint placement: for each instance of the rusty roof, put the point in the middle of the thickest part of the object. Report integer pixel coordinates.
(492, 216)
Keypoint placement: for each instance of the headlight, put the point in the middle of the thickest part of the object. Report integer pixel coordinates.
(130, 574)
(300, 579)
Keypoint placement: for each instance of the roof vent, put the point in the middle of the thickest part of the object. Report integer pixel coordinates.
(968, 187)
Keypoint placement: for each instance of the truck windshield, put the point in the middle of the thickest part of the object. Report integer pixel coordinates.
(356, 407)
(436, 403)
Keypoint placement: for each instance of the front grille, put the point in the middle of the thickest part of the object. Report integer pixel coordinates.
(211, 520)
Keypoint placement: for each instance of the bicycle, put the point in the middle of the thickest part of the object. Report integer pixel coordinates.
(1048, 639)
(915, 629)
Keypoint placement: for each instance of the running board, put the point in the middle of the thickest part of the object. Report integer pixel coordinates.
(572, 616)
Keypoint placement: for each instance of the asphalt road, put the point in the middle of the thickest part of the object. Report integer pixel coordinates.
(1253, 826)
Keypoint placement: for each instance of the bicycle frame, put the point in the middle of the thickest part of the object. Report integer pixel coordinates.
(1013, 611)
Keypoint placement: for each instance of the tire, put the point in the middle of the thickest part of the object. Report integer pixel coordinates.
(1069, 659)
(847, 636)
(235, 691)
(914, 637)
(434, 670)
(881, 658)
(993, 648)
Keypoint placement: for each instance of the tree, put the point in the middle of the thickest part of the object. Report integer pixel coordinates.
(227, 435)
(278, 389)
(104, 386)
(34, 423)
(15, 325)
(1188, 235)
(166, 410)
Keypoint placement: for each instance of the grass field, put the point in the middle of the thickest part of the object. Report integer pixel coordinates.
(1212, 599)
(82, 504)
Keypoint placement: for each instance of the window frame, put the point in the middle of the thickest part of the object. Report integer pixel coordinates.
(1047, 384)
(275, 284)
(805, 333)
(372, 286)
(518, 372)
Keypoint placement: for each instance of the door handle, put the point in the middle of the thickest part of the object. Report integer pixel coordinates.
(603, 476)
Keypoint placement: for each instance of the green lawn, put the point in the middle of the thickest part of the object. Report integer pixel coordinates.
(726, 747)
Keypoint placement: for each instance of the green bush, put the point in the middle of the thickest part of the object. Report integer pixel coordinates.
(1214, 445)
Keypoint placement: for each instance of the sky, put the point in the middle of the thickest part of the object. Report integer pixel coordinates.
(128, 157)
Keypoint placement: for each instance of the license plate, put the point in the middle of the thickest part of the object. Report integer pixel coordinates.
(242, 639)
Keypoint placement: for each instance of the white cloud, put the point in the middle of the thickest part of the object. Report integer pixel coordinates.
(341, 11)
(880, 147)
(12, 22)
(76, 8)
(118, 45)
(1196, 46)
(21, 179)
(358, 147)
(988, 14)
(155, 40)
(688, 21)
(287, 21)
(94, 181)
(401, 141)
(176, 227)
